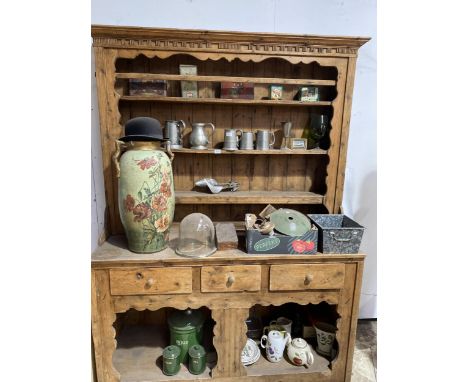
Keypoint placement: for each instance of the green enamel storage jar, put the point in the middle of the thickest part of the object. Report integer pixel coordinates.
(186, 328)
(197, 359)
(171, 360)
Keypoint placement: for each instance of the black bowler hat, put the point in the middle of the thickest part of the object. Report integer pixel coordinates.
(143, 129)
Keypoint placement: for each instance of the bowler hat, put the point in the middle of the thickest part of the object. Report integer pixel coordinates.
(143, 129)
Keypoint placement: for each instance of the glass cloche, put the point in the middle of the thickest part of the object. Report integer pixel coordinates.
(196, 236)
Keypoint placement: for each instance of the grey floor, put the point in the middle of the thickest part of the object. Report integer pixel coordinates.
(365, 352)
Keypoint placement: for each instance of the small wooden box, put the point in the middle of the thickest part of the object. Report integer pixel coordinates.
(147, 87)
(237, 90)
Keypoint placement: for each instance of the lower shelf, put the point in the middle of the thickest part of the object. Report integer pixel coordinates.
(265, 367)
(248, 197)
(138, 356)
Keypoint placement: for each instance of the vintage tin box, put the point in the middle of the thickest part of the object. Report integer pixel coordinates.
(237, 90)
(147, 87)
(188, 89)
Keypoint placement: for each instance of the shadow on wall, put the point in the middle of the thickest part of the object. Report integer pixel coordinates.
(366, 215)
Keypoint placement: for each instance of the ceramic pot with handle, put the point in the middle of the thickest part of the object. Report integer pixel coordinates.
(300, 352)
(274, 345)
(198, 138)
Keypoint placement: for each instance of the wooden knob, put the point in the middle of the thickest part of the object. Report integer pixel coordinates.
(139, 276)
(149, 283)
(308, 279)
(230, 280)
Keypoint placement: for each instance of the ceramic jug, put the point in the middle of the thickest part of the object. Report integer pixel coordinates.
(145, 194)
(300, 352)
(198, 139)
(274, 344)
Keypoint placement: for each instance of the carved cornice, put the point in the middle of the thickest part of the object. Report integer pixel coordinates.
(224, 42)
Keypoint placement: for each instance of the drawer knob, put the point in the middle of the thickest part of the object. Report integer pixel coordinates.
(308, 279)
(230, 280)
(139, 276)
(149, 283)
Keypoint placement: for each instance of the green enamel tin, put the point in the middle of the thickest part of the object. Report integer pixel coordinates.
(197, 360)
(186, 328)
(290, 222)
(171, 360)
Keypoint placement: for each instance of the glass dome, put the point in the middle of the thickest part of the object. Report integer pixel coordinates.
(196, 236)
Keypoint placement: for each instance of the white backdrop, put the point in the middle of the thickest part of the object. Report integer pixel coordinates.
(323, 17)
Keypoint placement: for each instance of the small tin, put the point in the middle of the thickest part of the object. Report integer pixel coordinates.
(171, 360)
(197, 360)
(276, 92)
(309, 94)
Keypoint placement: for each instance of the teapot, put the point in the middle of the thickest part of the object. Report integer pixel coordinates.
(274, 344)
(300, 352)
(198, 139)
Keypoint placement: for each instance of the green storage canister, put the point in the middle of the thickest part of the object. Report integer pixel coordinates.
(197, 360)
(186, 328)
(171, 360)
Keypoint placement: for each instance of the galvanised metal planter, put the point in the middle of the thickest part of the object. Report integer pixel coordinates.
(337, 233)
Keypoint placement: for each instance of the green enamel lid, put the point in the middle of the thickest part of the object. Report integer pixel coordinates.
(171, 352)
(290, 222)
(196, 351)
(186, 319)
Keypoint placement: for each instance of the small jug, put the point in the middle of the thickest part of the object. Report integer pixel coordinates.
(274, 344)
(263, 139)
(198, 139)
(173, 131)
(231, 139)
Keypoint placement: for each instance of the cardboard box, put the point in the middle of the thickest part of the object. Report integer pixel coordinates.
(308, 94)
(258, 243)
(237, 90)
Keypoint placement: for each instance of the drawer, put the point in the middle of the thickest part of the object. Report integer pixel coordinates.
(231, 278)
(151, 281)
(307, 276)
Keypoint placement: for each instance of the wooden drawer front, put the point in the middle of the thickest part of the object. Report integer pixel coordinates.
(151, 281)
(303, 276)
(231, 278)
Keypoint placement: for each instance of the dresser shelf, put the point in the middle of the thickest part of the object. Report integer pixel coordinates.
(251, 152)
(254, 80)
(224, 101)
(248, 197)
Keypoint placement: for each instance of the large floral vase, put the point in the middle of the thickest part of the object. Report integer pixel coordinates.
(146, 199)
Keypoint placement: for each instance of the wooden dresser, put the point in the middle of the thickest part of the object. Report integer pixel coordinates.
(132, 292)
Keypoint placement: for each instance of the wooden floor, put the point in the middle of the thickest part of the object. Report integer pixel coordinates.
(365, 352)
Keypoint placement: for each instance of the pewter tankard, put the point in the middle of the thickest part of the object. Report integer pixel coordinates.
(198, 139)
(246, 142)
(263, 139)
(231, 139)
(173, 131)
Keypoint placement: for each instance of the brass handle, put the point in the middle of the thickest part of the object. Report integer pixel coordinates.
(149, 283)
(116, 156)
(308, 279)
(230, 280)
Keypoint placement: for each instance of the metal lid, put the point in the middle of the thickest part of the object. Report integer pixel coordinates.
(186, 319)
(197, 351)
(171, 352)
(290, 222)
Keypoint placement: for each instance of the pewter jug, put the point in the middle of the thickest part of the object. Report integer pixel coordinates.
(246, 142)
(231, 139)
(263, 139)
(173, 131)
(198, 139)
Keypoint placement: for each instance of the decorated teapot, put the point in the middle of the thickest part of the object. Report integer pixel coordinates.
(300, 352)
(274, 344)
